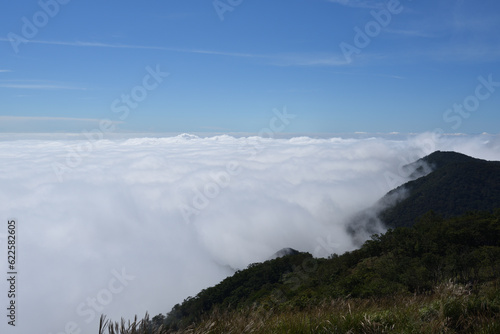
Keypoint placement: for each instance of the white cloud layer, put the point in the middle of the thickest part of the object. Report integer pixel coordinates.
(176, 213)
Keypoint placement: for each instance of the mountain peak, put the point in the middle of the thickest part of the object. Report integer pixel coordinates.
(443, 158)
(454, 184)
(284, 252)
(434, 161)
(448, 183)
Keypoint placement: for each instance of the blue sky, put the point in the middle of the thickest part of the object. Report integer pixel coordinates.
(66, 67)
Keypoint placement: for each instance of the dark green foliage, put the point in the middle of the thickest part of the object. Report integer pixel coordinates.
(257, 282)
(401, 262)
(457, 185)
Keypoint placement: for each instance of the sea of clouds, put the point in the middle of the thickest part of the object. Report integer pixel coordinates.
(127, 225)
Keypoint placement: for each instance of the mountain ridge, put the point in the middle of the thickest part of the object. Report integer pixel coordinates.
(458, 183)
(446, 182)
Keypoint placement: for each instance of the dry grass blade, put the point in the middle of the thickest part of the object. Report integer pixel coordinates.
(102, 324)
(135, 327)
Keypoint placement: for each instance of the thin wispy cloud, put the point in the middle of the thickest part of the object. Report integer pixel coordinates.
(39, 86)
(316, 60)
(5, 71)
(449, 52)
(358, 3)
(52, 124)
(48, 119)
(410, 33)
(145, 47)
(469, 53)
(310, 60)
(273, 59)
(86, 44)
(463, 20)
(392, 76)
(220, 53)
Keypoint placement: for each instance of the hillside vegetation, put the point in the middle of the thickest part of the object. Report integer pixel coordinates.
(439, 274)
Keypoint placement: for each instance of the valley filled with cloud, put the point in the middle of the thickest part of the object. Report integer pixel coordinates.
(122, 226)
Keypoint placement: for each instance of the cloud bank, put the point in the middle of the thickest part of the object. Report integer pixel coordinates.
(139, 224)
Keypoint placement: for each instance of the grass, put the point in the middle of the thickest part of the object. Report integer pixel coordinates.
(451, 308)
